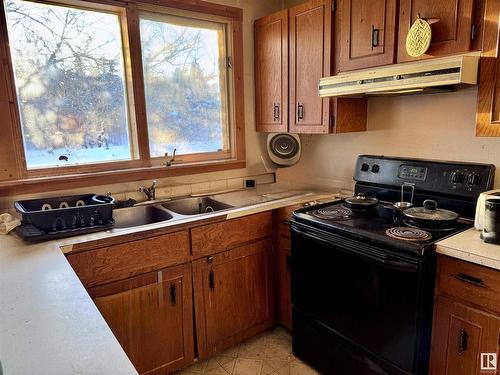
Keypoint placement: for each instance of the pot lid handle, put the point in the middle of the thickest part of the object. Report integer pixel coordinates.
(430, 204)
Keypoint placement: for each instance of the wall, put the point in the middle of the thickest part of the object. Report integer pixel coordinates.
(438, 126)
(252, 9)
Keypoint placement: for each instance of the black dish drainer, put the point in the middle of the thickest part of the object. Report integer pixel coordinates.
(59, 217)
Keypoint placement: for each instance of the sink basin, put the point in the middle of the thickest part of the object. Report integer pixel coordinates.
(196, 206)
(139, 215)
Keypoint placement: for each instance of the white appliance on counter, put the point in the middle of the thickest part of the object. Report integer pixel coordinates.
(481, 207)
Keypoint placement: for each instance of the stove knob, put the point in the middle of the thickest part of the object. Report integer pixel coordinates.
(457, 177)
(365, 167)
(375, 168)
(474, 179)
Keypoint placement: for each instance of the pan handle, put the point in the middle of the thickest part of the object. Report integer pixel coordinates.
(412, 190)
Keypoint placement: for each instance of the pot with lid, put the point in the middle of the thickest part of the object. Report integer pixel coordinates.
(430, 217)
(360, 202)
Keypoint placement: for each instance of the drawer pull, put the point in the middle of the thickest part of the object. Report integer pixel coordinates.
(462, 341)
(211, 280)
(173, 294)
(470, 280)
(375, 35)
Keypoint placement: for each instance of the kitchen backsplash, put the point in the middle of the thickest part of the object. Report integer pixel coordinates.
(166, 188)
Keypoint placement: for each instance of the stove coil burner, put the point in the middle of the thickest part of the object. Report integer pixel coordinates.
(333, 213)
(408, 234)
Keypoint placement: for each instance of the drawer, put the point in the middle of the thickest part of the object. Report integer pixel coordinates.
(213, 238)
(469, 282)
(121, 261)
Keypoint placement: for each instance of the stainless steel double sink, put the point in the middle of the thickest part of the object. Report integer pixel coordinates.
(176, 209)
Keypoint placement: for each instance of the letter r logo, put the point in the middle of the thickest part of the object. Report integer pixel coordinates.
(488, 361)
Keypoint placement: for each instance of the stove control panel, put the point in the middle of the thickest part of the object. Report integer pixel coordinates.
(412, 172)
(457, 178)
(465, 179)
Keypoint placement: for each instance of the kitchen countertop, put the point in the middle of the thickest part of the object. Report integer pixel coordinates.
(48, 322)
(468, 246)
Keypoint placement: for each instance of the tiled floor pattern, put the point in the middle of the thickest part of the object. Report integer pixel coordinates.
(266, 354)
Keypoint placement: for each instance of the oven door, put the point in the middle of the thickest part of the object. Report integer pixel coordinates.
(366, 294)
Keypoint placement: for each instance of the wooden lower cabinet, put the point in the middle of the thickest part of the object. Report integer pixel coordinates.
(460, 335)
(233, 296)
(466, 318)
(283, 251)
(151, 315)
(283, 282)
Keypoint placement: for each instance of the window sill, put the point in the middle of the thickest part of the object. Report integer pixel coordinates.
(92, 179)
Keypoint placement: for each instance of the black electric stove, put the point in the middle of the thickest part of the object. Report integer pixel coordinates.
(379, 226)
(363, 280)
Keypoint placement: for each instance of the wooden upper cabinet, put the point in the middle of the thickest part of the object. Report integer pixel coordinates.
(152, 318)
(233, 296)
(271, 72)
(460, 335)
(450, 35)
(310, 60)
(367, 33)
(488, 104)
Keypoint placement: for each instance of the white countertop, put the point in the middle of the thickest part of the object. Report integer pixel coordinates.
(48, 322)
(468, 246)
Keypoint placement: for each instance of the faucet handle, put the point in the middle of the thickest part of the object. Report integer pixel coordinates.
(154, 183)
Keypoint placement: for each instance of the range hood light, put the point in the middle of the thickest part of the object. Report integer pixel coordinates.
(408, 91)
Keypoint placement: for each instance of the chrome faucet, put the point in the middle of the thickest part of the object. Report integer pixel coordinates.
(171, 160)
(150, 191)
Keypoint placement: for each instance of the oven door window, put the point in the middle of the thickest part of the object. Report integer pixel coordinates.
(370, 301)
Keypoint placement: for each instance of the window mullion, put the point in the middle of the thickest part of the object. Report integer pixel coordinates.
(138, 83)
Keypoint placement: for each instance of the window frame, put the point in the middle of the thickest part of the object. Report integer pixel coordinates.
(145, 166)
(203, 156)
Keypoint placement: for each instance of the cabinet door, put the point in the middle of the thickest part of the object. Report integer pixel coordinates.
(460, 335)
(367, 33)
(233, 295)
(450, 35)
(310, 60)
(271, 72)
(283, 270)
(151, 316)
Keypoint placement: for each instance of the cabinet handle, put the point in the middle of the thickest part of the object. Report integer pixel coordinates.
(300, 111)
(211, 280)
(462, 341)
(173, 294)
(375, 33)
(276, 111)
(470, 280)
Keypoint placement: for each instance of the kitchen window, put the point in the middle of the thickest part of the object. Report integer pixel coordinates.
(111, 89)
(185, 66)
(70, 83)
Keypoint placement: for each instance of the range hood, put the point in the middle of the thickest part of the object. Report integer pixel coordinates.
(407, 78)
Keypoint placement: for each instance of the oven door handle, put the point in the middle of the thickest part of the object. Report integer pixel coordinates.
(391, 262)
(401, 265)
